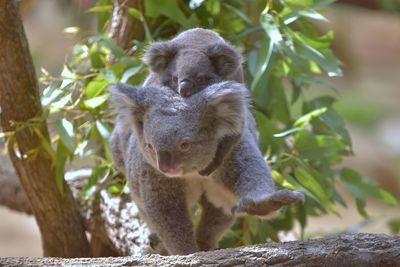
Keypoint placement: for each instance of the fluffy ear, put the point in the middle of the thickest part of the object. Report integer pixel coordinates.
(158, 55)
(129, 102)
(226, 107)
(225, 58)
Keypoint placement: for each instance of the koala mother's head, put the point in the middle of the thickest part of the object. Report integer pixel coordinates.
(180, 136)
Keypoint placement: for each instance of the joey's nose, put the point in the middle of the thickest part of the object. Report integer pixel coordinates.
(165, 163)
(185, 87)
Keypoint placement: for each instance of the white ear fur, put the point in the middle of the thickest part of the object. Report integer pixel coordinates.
(127, 102)
(158, 55)
(226, 107)
(225, 57)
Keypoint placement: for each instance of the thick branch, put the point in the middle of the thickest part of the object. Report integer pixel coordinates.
(56, 212)
(345, 250)
(113, 220)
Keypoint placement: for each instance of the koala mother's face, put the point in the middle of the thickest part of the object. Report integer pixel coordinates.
(177, 141)
(180, 136)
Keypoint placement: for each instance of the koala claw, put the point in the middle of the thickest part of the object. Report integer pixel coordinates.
(265, 205)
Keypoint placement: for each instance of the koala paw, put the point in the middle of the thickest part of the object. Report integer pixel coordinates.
(270, 203)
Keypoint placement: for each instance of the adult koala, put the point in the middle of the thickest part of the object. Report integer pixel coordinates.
(191, 61)
(163, 142)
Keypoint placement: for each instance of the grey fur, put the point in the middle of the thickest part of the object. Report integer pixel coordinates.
(196, 58)
(192, 55)
(154, 122)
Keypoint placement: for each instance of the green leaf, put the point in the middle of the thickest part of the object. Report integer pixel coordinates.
(267, 128)
(68, 76)
(360, 204)
(99, 9)
(307, 118)
(323, 58)
(95, 102)
(52, 93)
(312, 14)
(130, 72)
(60, 104)
(280, 104)
(288, 132)
(271, 28)
(116, 189)
(170, 9)
(307, 145)
(264, 63)
(96, 87)
(213, 6)
(61, 157)
(360, 186)
(281, 180)
(336, 123)
(310, 183)
(238, 12)
(65, 130)
(135, 13)
(103, 129)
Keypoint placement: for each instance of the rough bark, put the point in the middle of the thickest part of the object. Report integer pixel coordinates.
(345, 250)
(56, 212)
(125, 28)
(113, 221)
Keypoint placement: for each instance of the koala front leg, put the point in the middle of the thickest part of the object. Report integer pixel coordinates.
(253, 183)
(167, 213)
(212, 225)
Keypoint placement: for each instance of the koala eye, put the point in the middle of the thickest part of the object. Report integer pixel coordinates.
(202, 79)
(175, 79)
(184, 146)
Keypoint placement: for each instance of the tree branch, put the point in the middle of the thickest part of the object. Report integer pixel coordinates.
(113, 220)
(12, 195)
(344, 250)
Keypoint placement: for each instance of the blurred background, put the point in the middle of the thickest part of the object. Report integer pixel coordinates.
(367, 41)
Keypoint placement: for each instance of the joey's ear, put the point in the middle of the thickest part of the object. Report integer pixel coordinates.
(225, 58)
(226, 107)
(158, 55)
(128, 101)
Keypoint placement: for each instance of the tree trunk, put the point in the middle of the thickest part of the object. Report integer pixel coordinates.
(124, 27)
(346, 250)
(56, 212)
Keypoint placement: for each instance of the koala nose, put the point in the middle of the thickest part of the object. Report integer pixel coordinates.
(165, 162)
(185, 87)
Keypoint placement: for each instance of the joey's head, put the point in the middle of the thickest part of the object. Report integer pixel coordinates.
(189, 70)
(179, 136)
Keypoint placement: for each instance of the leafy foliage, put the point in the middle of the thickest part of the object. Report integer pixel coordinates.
(302, 136)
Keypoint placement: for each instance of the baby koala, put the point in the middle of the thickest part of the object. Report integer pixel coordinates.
(163, 142)
(191, 61)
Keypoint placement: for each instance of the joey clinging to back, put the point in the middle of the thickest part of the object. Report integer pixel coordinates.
(192, 61)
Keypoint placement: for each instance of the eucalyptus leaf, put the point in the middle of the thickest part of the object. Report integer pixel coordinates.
(95, 102)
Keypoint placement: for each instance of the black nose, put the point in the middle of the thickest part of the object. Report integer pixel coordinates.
(185, 87)
(165, 163)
